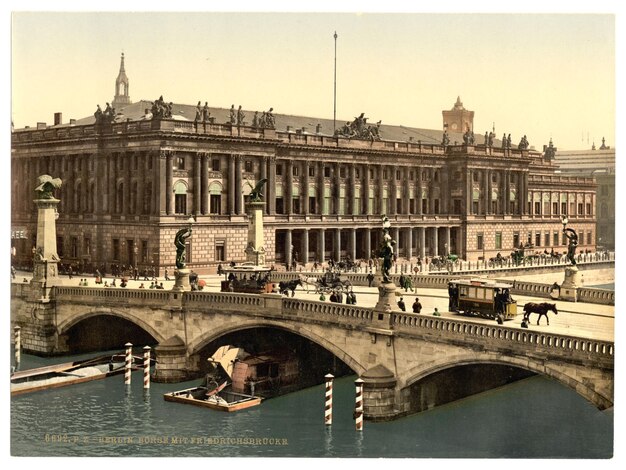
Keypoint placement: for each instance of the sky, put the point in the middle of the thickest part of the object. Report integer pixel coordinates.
(539, 74)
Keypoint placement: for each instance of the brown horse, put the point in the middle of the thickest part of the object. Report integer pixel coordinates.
(542, 309)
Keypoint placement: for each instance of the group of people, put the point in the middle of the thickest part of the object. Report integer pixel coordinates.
(153, 285)
(337, 297)
(417, 305)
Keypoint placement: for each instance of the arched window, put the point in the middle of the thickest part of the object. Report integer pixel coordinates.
(180, 198)
(215, 198)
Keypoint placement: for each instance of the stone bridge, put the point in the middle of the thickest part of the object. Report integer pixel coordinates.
(393, 352)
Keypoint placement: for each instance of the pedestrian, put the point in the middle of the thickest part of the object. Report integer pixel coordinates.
(167, 275)
(142, 286)
(322, 297)
(401, 304)
(70, 272)
(436, 313)
(417, 306)
(12, 272)
(370, 278)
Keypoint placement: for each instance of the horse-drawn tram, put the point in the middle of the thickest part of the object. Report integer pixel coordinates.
(247, 278)
(482, 297)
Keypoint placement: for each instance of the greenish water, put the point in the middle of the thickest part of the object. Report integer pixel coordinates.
(533, 418)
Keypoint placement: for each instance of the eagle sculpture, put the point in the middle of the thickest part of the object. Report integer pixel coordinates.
(46, 185)
(255, 194)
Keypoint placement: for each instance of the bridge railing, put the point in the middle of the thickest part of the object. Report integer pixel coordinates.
(596, 296)
(600, 353)
(152, 297)
(223, 300)
(339, 313)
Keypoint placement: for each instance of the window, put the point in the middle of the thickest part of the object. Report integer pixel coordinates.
(589, 237)
(247, 166)
(546, 208)
(327, 172)
(494, 177)
(215, 204)
(215, 164)
(572, 208)
(295, 170)
(398, 175)
(279, 169)
(311, 171)
(555, 208)
(342, 172)
(564, 208)
(385, 175)
(180, 163)
(580, 208)
(498, 240)
(555, 239)
(480, 242)
(87, 246)
(494, 207)
(411, 175)
(547, 239)
(116, 249)
(456, 206)
(537, 208)
(312, 204)
(371, 173)
(180, 198)
(357, 173)
(424, 206)
(60, 247)
(516, 240)
(280, 207)
(474, 207)
(220, 250)
(436, 175)
(295, 205)
(144, 251)
(475, 177)
(588, 208)
(436, 208)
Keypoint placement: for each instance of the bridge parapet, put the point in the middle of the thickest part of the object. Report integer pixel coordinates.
(537, 345)
(336, 313)
(147, 297)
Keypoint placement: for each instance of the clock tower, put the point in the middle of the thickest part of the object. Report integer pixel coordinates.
(121, 88)
(458, 119)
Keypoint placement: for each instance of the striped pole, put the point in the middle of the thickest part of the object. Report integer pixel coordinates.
(328, 408)
(146, 367)
(129, 362)
(18, 346)
(359, 404)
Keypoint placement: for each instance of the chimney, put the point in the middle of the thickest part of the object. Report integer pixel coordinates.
(41, 125)
(58, 119)
(72, 122)
(303, 130)
(318, 128)
(288, 128)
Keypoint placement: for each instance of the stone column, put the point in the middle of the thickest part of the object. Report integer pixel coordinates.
(337, 245)
(524, 194)
(488, 188)
(368, 243)
(393, 192)
(418, 190)
(196, 184)
(288, 251)
(485, 192)
(46, 258)
(448, 240)
(305, 191)
(409, 243)
(336, 190)
(353, 243)
(231, 185)
(422, 235)
(469, 201)
(239, 209)
(305, 246)
(320, 187)
(381, 189)
(435, 241)
(365, 191)
(169, 176)
(321, 244)
(142, 177)
(288, 193)
(351, 190)
(506, 189)
(112, 184)
(263, 166)
(406, 208)
(395, 234)
(204, 181)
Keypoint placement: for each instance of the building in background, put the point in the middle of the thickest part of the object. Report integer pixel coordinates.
(130, 183)
(598, 163)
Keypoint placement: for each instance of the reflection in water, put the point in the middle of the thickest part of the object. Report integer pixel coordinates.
(105, 418)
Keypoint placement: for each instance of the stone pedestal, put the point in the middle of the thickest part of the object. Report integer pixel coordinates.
(384, 306)
(379, 385)
(570, 284)
(181, 283)
(171, 365)
(255, 248)
(45, 257)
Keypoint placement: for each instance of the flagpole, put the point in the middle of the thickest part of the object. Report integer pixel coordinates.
(335, 89)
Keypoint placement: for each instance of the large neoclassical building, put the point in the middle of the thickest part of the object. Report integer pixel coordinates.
(131, 183)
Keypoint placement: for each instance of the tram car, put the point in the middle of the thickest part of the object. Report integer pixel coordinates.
(483, 298)
(247, 278)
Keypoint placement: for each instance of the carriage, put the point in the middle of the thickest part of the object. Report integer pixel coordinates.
(482, 297)
(331, 281)
(247, 278)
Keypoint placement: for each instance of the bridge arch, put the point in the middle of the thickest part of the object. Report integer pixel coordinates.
(64, 326)
(201, 341)
(423, 370)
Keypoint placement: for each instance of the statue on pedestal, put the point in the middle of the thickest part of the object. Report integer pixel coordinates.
(255, 194)
(386, 250)
(572, 236)
(179, 241)
(46, 184)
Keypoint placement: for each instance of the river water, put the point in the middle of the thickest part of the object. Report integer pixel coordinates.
(533, 418)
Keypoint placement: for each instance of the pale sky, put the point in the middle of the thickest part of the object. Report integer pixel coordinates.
(543, 75)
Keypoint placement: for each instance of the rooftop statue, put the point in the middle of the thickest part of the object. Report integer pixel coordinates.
(255, 194)
(358, 129)
(46, 184)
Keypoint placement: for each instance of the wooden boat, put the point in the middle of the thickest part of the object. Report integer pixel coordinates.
(221, 400)
(68, 373)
